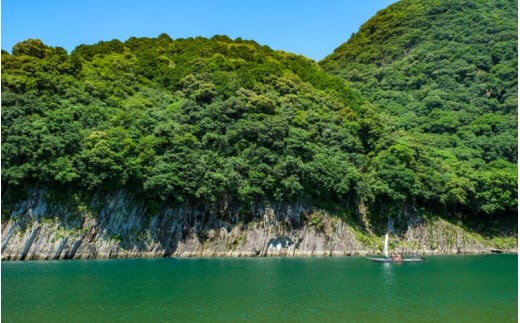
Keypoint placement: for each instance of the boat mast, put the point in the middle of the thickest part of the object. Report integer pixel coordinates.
(385, 250)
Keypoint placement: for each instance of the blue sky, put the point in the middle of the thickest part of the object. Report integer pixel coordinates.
(313, 28)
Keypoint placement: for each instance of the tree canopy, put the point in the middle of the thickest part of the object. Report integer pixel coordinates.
(445, 74)
(417, 108)
(189, 120)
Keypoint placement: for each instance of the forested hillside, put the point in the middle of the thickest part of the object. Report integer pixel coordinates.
(192, 120)
(226, 122)
(444, 75)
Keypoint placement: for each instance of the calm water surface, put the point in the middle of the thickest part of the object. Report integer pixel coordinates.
(350, 289)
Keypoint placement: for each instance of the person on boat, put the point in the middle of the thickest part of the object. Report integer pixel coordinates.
(396, 257)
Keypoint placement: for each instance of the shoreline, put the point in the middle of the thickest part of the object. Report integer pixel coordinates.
(236, 255)
(38, 230)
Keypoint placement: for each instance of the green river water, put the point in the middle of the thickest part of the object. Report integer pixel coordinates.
(345, 289)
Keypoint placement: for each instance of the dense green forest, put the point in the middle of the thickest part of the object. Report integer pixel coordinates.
(191, 120)
(421, 113)
(443, 74)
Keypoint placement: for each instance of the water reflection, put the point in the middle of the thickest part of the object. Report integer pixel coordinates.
(387, 276)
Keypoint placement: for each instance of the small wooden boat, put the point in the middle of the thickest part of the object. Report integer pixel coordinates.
(394, 259)
(413, 259)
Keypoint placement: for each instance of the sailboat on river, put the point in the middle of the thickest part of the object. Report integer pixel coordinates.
(397, 258)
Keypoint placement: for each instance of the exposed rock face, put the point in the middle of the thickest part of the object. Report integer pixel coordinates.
(121, 228)
(442, 237)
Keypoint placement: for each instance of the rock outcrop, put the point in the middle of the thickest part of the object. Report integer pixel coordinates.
(123, 228)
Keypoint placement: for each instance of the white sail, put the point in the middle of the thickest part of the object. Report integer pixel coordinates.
(385, 250)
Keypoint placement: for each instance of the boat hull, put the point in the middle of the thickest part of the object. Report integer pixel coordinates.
(390, 260)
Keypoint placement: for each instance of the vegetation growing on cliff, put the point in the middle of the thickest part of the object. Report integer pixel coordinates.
(444, 75)
(191, 120)
(205, 121)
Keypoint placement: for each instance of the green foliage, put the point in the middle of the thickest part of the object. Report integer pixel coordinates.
(218, 121)
(444, 73)
(189, 120)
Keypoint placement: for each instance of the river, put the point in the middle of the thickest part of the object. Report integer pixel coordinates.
(480, 288)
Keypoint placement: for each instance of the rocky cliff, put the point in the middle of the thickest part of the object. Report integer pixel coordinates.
(122, 227)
